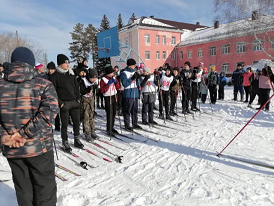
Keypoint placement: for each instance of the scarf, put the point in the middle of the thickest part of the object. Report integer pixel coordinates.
(63, 71)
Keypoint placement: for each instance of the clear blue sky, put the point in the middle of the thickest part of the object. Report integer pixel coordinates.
(49, 22)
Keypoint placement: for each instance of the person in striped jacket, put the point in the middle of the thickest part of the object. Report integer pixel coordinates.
(108, 87)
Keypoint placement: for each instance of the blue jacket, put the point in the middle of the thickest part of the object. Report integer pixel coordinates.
(126, 80)
(222, 81)
(237, 77)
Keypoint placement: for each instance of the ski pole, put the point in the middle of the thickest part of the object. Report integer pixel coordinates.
(245, 125)
(118, 108)
(161, 95)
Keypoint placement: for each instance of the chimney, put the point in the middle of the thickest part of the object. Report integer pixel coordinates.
(255, 15)
(152, 17)
(216, 24)
(198, 23)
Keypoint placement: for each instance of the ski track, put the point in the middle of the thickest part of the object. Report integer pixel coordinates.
(181, 169)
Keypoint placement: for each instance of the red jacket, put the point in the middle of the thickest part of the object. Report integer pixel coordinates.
(104, 86)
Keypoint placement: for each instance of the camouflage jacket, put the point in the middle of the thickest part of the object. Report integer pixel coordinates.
(28, 105)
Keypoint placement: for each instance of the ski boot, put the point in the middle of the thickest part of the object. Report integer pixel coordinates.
(114, 131)
(88, 138)
(78, 143)
(235, 97)
(136, 126)
(161, 116)
(168, 117)
(242, 97)
(66, 146)
(128, 129)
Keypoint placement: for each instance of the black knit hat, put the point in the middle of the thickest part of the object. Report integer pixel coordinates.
(92, 73)
(1, 65)
(170, 69)
(85, 59)
(109, 70)
(131, 62)
(239, 65)
(176, 69)
(51, 65)
(23, 54)
(61, 59)
(187, 63)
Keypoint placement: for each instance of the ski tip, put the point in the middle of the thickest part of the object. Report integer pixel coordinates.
(107, 159)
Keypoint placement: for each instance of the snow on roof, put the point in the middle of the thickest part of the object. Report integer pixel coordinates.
(229, 30)
(261, 64)
(151, 21)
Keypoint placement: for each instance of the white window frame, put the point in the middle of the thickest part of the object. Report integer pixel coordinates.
(164, 55)
(181, 54)
(257, 45)
(240, 47)
(173, 40)
(147, 55)
(157, 55)
(225, 67)
(147, 38)
(200, 53)
(157, 39)
(189, 54)
(164, 39)
(173, 55)
(225, 49)
(212, 51)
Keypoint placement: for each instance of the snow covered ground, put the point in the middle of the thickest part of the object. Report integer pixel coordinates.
(181, 169)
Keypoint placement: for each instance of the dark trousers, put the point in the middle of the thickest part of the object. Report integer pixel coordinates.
(247, 92)
(70, 108)
(213, 93)
(203, 98)
(34, 180)
(57, 122)
(194, 94)
(165, 102)
(100, 97)
(221, 93)
(130, 107)
(239, 88)
(173, 99)
(147, 108)
(110, 108)
(252, 97)
(120, 99)
(264, 94)
(186, 95)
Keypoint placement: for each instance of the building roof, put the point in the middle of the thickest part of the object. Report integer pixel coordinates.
(180, 25)
(229, 30)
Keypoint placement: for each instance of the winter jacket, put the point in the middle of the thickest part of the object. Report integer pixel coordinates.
(247, 79)
(149, 83)
(237, 77)
(130, 86)
(175, 84)
(203, 85)
(255, 84)
(186, 77)
(213, 78)
(104, 87)
(264, 82)
(28, 105)
(66, 86)
(88, 88)
(222, 81)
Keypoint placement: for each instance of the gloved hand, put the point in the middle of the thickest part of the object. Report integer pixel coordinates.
(147, 77)
(138, 76)
(111, 81)
(134, 76)
(95, 86)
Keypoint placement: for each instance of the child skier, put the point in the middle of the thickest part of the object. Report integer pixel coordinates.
(174, 90)
(212, 84)
(149, 90)
(247, 80)
(203, 86)
(222, 82)
(109, 86)
(88, 85)
(165, 82)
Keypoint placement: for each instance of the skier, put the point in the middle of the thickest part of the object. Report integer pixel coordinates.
(212, 84)
(28, 107)
(69, 98)
(255, 88)
(131, 81)
(237, 80)
(203, 85)
(165, 83)
(195, 85)
(247, 80)
(119, 92)
(186, 76)
(221, 84)
(149, 90)
(174, 90)
(88, 85)
(109, 86)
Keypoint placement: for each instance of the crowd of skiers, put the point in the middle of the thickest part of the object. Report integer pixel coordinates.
(32, 99)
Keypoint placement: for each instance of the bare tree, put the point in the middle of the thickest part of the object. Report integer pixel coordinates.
(9, 41)
(253, 18)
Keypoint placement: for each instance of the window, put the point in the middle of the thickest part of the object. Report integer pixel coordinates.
(240, 47)
(189, 54)
(225, 49)
(200, 53)
(164, 55)
(164, 39)
(157, 55)
(173, 55)
(157, 39)
(126, 41)
(147, 55)
(173, 41)
(257, 45)
(212, 51)
(181, 55)
(225, 67)
(146, 38)
(272, 43)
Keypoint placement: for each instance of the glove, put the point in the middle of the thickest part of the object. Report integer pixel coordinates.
(134, 76)
(111, 81)
(147, 77)
(95, 86)
(114, 81)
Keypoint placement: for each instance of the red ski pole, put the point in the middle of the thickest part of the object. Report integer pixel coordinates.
(245, 125)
